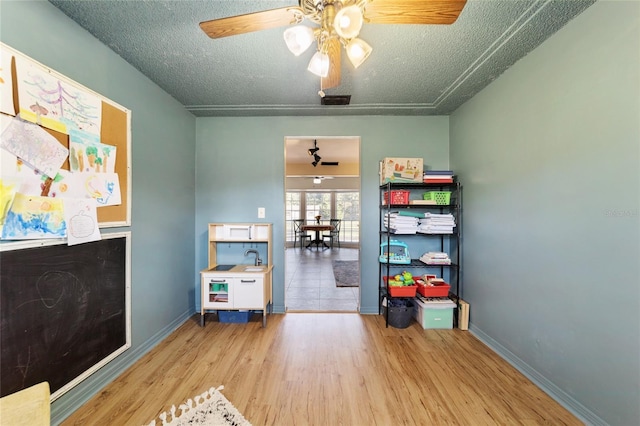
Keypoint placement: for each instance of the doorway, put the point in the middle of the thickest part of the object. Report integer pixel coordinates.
(322, 189)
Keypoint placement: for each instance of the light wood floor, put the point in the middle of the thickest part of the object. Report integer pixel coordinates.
(327, 369)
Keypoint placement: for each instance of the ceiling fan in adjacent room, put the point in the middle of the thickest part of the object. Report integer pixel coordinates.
(337, 23)
(318, 179)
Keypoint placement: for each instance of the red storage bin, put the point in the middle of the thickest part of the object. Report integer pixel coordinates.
(404, 291)
(437, 289)
(397, 197)
(401, 291)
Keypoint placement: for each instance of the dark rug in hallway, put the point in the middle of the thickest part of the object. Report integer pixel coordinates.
(346, 273)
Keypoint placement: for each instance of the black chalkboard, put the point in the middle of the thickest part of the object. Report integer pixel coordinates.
(64, 311)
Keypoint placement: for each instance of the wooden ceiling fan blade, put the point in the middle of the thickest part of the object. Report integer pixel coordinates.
(251, 22)
(333, 78)
(413, 11)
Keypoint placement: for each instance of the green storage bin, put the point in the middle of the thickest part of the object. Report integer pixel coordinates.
(434, 315)
(440, 197)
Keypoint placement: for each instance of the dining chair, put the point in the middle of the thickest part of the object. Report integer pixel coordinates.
(334, 234)
(299, 234)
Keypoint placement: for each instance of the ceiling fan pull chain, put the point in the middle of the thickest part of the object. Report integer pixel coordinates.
(321, 92)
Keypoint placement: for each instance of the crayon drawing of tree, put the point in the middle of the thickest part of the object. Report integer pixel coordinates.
(64, 101)
(106, 151)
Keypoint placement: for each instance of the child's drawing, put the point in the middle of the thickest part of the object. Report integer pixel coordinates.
(31, 217)
(82, 220)
(29, 180)
(6, 83)
(54, 103)
(87, 154)
(102, 187)
(7, 192)
(35, 146)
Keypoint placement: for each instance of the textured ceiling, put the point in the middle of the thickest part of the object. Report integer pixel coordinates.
(413, 70)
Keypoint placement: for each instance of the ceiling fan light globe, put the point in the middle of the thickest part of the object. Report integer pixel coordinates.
(319, 64)
(348, 22)
(358, 51)
(298, 39)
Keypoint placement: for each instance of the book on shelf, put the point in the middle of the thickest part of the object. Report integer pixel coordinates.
(437, 176)
(437, 254)
(400, 224)
(425, 299)
(411, 214)
(438, 173)
(435, 258)
(431, 180)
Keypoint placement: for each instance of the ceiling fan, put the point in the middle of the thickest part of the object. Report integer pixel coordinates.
(318, 179)
(338, 22)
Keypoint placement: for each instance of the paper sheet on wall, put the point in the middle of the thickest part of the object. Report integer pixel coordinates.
(32, 217)
(87, 154)
(7, 193)
(54, 103)
(103, 187)
(30, 181)
(34, 145)
(6, 83)
(82, 220)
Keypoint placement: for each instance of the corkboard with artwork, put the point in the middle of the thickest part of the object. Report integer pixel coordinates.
(59, 141)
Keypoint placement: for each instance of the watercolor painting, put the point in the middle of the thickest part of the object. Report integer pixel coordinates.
(7, 192)
(6, 83)
(32, 217)
(54, 103)
(87, 154)
(82, 220)
(34, 145)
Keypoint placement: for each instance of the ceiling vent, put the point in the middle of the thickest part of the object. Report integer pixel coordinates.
(335, 100)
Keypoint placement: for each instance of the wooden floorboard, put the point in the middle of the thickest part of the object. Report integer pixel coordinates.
(327, 369)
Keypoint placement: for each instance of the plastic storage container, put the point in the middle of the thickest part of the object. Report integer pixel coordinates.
(400, 312)
(397, 197)
(437, 289)
(440, 197)
(234, 316)
(400, 290)
(434, 315)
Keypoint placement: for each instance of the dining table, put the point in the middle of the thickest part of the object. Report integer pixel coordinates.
(317, 229)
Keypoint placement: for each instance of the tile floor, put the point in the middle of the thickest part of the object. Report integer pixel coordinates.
(310, 284)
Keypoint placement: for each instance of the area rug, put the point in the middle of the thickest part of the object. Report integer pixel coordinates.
(346, 273)
(208, 409)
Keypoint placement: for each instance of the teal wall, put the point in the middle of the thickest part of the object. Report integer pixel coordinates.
(240, 167)
(163, 177)
(549, 156)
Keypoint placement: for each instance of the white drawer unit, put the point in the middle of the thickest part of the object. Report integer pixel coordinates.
(247, 292)
(217, 291)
